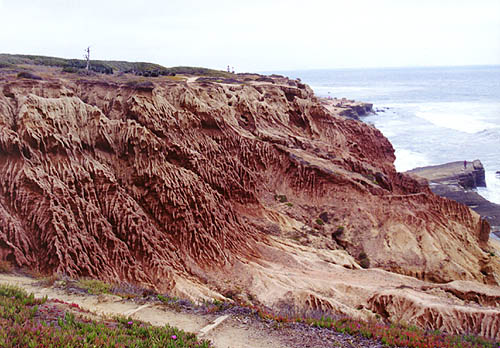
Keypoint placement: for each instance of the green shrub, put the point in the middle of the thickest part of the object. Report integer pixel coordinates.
(289, 204)
(70, 69)
(28, 75)
(281, 198)
(338, 232)
(320, 222)
(364, 261)
(12, 291)
(94, 286)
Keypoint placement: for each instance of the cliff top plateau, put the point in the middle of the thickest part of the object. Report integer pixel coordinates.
(241, 187)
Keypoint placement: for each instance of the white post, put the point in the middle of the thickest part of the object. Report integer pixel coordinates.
(87, 57)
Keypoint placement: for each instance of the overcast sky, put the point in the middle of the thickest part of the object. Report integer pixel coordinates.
(258, 35)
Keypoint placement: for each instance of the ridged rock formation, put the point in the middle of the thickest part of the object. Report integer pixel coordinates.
(210, 189)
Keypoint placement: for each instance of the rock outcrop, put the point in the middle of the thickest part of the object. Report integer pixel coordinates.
(205, 189)
(455, 181)
(466, 174)
(347, 108)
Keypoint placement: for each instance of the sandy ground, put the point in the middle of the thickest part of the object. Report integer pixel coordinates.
(234, 332)
(495, 242)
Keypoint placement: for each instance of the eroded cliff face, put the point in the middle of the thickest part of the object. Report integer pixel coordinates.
(206, 189)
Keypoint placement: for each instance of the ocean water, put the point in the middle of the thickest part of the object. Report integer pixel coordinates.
(430, 115)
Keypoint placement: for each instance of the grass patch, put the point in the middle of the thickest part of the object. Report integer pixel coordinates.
(175, 78)
(94, 286)
(29, 322)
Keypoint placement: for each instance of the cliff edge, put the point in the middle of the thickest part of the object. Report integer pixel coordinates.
(246, 188)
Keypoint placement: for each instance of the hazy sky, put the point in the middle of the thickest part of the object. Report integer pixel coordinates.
(258, 35)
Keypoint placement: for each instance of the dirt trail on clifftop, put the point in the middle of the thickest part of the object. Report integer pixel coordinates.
(227, 335)
(236, 331)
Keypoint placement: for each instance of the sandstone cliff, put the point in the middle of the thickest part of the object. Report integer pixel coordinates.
(251, 190)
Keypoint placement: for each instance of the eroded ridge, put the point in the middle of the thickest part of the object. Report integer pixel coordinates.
(209, 189)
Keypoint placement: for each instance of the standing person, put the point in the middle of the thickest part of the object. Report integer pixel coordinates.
(465, 165)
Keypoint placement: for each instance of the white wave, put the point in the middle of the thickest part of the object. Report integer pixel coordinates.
(359, 91)
(493, 134)
(407, 159)
(463, 117)
(492, 190)
(460, 122)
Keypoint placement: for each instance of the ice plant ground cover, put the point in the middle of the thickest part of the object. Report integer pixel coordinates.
(29, 322)
(389, 335)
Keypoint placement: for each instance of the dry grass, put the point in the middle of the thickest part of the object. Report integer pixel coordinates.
(6, 266)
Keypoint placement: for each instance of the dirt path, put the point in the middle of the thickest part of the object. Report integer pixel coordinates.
(233, 332)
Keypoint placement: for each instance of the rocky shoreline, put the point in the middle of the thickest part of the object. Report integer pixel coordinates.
(347, 108)
(457, 181)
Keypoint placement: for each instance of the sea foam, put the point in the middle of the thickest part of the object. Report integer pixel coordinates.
(463, 117)
(407, 159)
(492, 190)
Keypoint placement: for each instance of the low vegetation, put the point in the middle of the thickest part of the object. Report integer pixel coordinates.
(320, 222)
(389, 335)
(107, 66)
(338, 232)
(29, 322)
(363, 259)
(28, 75)
(94, 286)
(5, 266)
(281, 198)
